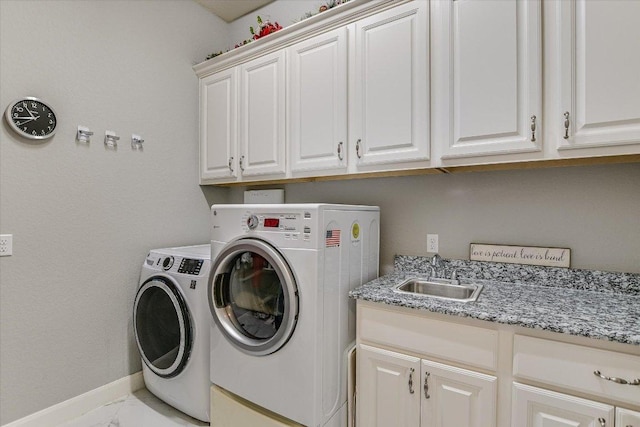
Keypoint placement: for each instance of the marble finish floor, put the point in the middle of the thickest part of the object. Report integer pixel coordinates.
(140, 409)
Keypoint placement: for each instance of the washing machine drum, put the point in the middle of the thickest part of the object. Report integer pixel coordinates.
(253, 296)
(163, 326)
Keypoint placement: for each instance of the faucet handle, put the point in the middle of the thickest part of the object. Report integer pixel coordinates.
(454, 277)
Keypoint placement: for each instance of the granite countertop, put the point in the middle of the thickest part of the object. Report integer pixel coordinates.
(593, 304)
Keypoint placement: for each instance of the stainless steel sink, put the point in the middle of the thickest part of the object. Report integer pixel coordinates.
(439, 288)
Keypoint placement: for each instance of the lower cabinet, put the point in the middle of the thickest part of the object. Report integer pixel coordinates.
(536, 407)
(400, 384)
(396, 389)
(627, 418)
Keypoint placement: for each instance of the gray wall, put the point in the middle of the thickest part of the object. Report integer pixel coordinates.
(593, 210)
(83, 218)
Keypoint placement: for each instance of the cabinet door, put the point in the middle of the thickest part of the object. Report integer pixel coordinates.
(598, 70)
(218, 126)
(487, 74)
(457, 397)
(317, 102)
(390, 81)
(536, 407)
(262, 116)
(627, 418)
(388, 388)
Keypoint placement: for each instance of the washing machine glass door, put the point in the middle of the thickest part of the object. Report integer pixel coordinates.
(253, 296)
(163, 326)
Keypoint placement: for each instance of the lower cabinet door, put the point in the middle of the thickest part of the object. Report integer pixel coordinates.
(455, 397)
(536, 407)
(388, 388)
(627, 418)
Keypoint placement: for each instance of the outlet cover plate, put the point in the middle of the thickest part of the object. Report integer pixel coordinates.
(6, 244)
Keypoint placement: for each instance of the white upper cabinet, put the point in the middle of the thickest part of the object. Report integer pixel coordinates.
(386, 86)
(317, 102)
(262, 116)
(487, 77)
(389, 87)
(218, 126)
(598, 48)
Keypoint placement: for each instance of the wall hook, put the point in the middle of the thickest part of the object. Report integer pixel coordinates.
(136, 142)
(84, 134)
(110, 139)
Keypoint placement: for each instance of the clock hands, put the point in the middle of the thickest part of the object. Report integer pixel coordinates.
(31, 113)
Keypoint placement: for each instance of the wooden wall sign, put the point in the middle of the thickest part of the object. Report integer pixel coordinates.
(529, 255)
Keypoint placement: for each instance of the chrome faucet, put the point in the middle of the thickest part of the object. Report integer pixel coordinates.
(437, 270)
(436, 265)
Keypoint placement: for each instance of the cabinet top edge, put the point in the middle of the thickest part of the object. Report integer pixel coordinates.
(302, 30)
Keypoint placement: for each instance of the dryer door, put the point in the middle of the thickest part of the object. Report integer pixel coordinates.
(253, 296)
(163, 326)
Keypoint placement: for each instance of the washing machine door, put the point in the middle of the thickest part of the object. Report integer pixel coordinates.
(253, 296)
(163, 326)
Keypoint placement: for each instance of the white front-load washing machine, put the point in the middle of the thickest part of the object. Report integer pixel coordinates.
(278, 294)
(171, 321)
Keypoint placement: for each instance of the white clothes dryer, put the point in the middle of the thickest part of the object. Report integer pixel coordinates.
(278, 294)
(171, 321)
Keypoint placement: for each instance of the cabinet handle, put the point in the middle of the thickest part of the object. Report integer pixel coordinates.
(426, 385)
(340, 156)
(533, 128)
(242, 163)
(230, 162)
(602, 422)
(617, 380)
(566, 125)
(358, 148)
(411, 381)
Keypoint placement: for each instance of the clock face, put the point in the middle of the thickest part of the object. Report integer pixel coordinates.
(31, 118)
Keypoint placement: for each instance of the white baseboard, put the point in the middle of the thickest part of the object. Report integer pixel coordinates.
(79, 405)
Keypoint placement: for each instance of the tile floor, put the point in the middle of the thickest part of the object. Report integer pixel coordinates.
(140, 409)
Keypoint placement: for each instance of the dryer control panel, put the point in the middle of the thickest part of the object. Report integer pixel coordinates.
(292, 226)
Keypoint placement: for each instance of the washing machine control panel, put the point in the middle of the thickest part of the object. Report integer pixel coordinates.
(190, 266)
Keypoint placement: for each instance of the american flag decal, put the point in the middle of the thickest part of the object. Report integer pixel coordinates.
(332, 238)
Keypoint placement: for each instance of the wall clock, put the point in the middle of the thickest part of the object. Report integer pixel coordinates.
(31, 118)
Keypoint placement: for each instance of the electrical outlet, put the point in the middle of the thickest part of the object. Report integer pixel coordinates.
(432, 243)
(6, 244)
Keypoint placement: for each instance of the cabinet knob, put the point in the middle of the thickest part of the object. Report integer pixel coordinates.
(566, 125)
(602, 422)
(358, 148)
(242, 163)
(340, 156)
(230, 164)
